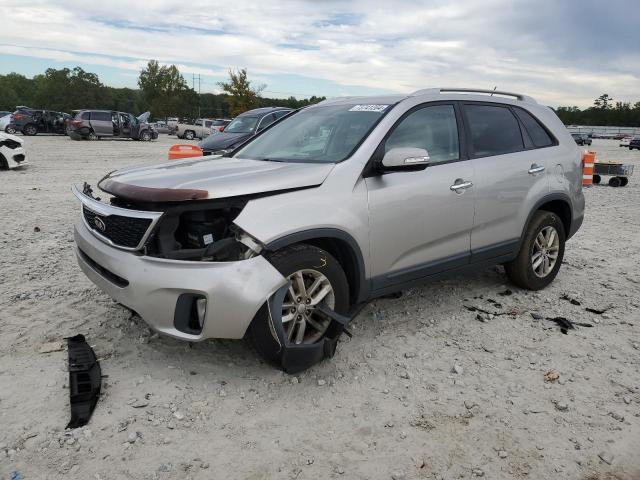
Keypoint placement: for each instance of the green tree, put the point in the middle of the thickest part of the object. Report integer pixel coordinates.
(165, 90)
(242, 96)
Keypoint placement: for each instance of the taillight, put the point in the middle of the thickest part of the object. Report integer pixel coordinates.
(221, 129)
(76, 123)
(16, 116)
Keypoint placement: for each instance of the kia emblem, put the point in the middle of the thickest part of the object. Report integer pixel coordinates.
(99, 223)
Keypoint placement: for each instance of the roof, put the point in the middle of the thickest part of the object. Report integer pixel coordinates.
(264, 111)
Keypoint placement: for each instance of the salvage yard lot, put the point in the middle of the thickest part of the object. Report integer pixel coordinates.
(428, 387)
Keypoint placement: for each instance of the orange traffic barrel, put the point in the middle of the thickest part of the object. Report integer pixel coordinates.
(177, 152)
(588, 159)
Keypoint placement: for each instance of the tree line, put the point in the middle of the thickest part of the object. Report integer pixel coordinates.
(605, 111)
(162, 90)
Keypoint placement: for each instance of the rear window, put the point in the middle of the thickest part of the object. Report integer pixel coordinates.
(539, 136)
(494, 130)
(101, 116)
(85, 116)
(219, 123)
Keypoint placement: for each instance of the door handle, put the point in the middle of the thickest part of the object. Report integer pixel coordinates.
(536, 169)
(459, 187)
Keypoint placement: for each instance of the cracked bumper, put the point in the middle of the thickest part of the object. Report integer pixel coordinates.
(151, 286)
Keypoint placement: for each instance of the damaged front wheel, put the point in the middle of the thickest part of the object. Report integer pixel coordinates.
(295, 318)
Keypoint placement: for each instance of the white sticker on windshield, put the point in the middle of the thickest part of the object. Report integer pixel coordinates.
(368, 108)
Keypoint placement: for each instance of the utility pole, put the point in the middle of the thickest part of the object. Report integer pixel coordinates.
(199, 91)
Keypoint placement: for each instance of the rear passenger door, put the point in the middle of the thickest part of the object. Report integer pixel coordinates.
(102, 124)
(510, 175)
(420, 221)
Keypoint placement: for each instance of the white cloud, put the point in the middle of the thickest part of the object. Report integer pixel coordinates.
(395, 46)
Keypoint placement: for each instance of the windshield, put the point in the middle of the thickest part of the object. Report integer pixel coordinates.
(315, 135)
(242, 125)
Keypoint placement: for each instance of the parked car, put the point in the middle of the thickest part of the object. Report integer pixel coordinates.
(581, 139)
(95, 124)
(634, 143)
(241, 128)
(624, 141)
(287, 237)
(200, 128)
(31, 121)
(5, 120)
(12, 154)
(161, 127)
(219, 124)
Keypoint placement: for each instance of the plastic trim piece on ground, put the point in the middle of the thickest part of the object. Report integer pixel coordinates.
(85, 379)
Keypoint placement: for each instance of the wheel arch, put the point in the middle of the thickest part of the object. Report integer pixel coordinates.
(558, 203)
(342, 246)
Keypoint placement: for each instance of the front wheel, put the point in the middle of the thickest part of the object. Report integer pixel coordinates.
(92, 136)
(189, 135)
(540, 254)
(145, 136)
(30, 130)
(315, 278)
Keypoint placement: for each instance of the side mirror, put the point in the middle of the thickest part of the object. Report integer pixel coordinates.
(405, 158)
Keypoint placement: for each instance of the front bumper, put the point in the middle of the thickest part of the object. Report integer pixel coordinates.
(151, 286)
(15, 157)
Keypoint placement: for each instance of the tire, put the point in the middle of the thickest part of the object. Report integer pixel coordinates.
(92, 136)
(615, 182)
(145, 136)
(10, 130)
(624, 181)
(30, 130)
(597, 179)
(288, 261)
(521, 269)
(189, 135)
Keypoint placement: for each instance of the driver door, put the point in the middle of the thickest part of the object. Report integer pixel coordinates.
(419, 224)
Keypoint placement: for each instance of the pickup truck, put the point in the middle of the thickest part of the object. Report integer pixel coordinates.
(201, 128)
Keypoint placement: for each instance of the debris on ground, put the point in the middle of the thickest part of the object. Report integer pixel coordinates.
(569, 299)
(551, 376)
(51, 347)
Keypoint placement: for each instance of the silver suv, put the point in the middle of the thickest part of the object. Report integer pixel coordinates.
(283, 239)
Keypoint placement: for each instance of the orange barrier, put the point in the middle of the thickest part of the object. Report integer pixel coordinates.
(588, 159)
(177, 152)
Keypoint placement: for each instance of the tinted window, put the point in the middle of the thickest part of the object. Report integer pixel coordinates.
(266, 121)
(494, 130)
(281, 113)
(86, 116)
(219, 123)
(242, 125)
(101, 116)
(431, 128)
(538, 134)
(208, 123)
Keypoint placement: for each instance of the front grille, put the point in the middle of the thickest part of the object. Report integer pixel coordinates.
(122, 231)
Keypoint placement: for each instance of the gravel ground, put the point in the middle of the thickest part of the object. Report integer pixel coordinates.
(426, 388)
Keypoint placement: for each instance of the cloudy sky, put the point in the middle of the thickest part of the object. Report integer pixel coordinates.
(561, 52)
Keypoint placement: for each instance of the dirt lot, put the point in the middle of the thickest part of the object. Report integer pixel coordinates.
(423, 390)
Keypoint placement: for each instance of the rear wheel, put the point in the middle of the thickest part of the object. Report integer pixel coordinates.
(540, 254)
(316, 278)
(92, 136)
(30, 130)
(597, 178)
(189, 135)
(624, 181)
(10, 130)
(615, 182)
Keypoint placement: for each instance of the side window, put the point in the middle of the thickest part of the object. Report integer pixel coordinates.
(266, 121)
(101, 116)
(494, 130)
(432, 128)
(538, 134)
(198, 123)
(86, 116)
(281, 114)
(208, 123)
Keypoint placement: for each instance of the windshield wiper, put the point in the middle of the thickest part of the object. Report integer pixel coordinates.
(272, 160)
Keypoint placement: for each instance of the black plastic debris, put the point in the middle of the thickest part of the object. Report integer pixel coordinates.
(298, 357)
(84, 381)
(572, 301)
(566, 324)
(505, 293)
(597, 311)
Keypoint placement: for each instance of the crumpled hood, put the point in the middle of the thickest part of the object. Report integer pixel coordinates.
(211, 177)
(222, 140)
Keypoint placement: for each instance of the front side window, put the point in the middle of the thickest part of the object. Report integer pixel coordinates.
(266, 121)
(494, 130)
(242, 125)
(322, 134)
(86, 116)
(433, 128)
(198, 123)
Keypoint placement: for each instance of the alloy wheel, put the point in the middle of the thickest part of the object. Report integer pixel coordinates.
(545, 251)
(308, 289)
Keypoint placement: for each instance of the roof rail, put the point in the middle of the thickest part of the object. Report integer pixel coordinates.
(519, 96)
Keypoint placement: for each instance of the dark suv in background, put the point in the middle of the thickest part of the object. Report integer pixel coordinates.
(581, 138)
(241, 128)
(31, 121)
(94, 124)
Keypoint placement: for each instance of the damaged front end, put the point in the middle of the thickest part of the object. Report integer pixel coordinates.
(183, 266)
